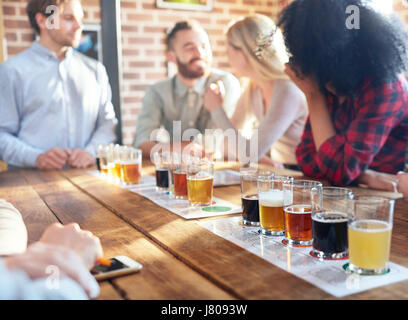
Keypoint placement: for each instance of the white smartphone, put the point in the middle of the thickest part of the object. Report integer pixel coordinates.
(120, 266)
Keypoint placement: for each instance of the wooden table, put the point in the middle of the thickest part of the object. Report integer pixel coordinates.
(181, 259)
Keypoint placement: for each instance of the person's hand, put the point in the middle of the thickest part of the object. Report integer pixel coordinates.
(214, 96)
(308, 85)
(379, 180)
(54, 158)
(403, 183)
(80, 159)
(83, 243)
(269, 162)
(35, 262)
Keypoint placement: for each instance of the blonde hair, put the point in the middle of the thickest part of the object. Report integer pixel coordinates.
(262, 43)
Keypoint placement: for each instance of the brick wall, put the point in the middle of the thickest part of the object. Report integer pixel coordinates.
(143, 32)
(144, 29)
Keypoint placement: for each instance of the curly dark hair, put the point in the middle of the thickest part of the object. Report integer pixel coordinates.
(320, 44)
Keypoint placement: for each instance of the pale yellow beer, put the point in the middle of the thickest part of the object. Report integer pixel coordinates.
(369, 243)
(200, 190)
(271, 214)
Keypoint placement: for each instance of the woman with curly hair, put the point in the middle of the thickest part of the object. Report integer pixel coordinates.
(270, 102)
(352, 79)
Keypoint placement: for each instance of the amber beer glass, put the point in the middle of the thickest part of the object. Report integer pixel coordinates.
(179, 176)
(200, 180)
(249, 196)
(131, 160)
(329, 223)
(298, 216)
(272, 200)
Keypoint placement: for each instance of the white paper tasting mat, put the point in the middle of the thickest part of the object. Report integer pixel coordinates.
(182, 208)
(146, 180)
(147, 189)
(327, 275)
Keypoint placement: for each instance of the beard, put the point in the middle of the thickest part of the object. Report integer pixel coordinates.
(187, 72)
(66, 40)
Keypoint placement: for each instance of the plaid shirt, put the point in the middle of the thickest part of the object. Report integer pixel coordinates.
(371, 132)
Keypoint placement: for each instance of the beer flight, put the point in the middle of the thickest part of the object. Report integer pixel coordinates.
(331, 220)
(121, 164)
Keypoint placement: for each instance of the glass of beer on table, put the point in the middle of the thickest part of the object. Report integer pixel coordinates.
(329, 224)
(101, 159)
(200, 182)
(110, 161)
(304, 196)
(249, 196)
(178, 176)
(131, 160)
(161, 160)
(369, 234)
(272, 200)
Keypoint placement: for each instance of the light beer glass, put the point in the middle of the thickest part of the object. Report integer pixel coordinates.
(131, 159)
(249, 196)
(369, 234)
(200, 180)
(298, 215)
(272, 200)
(329, 224)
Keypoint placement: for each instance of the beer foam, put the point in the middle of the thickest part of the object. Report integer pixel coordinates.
(370, 226)
(271, 198)
(330, 217)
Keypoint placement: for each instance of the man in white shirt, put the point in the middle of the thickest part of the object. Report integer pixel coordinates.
(56, 102)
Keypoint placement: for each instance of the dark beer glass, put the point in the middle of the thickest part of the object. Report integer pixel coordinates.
(329, 224)
(249, 196)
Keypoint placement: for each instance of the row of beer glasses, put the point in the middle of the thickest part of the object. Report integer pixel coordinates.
(332, 220)
(121, 164)
(185, 177)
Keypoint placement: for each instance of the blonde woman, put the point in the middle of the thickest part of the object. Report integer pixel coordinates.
(270, 102)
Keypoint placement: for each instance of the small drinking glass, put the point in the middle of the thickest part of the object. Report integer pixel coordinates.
(161, 162)
(249, 196)
(369, 234)
(272, 200)
(200, 182)
(304, 195)
(329, 224)
(179, 176)
(101, 160)
(131, 160)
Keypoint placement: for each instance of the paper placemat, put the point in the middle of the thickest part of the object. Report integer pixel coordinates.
(328, 275)
(145, 180)
(182, 208)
